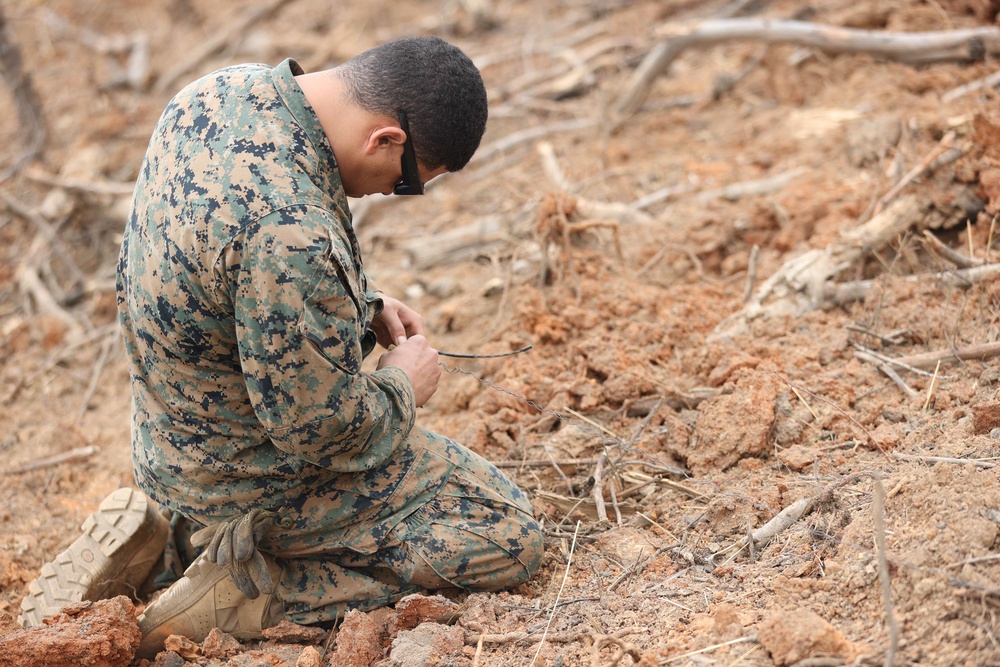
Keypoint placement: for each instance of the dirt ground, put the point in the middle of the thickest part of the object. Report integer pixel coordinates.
(663, 372)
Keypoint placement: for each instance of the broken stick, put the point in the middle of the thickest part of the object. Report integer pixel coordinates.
(912, 48)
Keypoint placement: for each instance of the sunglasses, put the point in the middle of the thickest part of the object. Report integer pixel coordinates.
(410, 183)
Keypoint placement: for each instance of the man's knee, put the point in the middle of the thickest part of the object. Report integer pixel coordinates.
(526, 549)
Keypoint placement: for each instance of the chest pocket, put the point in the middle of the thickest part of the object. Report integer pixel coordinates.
(335, 315)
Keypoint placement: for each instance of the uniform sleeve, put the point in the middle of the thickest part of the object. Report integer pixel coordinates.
(300, 304)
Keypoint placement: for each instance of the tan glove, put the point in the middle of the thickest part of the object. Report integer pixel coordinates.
(234, 543)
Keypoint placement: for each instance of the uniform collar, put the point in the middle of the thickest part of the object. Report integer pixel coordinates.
(295, 101)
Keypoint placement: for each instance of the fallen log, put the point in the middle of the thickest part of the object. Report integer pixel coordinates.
(912, 48)
(806, 282)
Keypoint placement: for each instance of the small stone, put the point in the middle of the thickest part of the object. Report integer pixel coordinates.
(293, 633)
(168, 659)
(795, 635)
(797, 457)
(182, 646)
(995, 433)
(429, 645)
(415, 609)
(985, 417)
(309, 657)
(219, 644)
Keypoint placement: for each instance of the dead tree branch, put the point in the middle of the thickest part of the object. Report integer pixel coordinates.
(806, 282)
(236, 29)
(29, 106)
(911, 48)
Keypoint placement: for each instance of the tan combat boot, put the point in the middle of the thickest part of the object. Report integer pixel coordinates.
(121, 543)
(205, 598)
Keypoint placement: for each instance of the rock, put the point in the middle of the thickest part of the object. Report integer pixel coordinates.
(429, 645)
(870, 139)
(985, 417)
(293, 633)
(728, 366)
(726, 622)
(219, 644)
(182, 646)
(415, 609)
(167, 659)
(737, 424)
(8, 623)
(88, 634)
(797, 457)
(359, 641)
(479, 612)
(309, 657)
(792, 636)
(626, 544)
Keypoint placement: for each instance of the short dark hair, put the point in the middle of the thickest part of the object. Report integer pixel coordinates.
(435, 84)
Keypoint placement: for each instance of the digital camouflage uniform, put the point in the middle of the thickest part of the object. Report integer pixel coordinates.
(246, 313)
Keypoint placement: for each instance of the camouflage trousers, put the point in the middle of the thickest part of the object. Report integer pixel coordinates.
(460, 524)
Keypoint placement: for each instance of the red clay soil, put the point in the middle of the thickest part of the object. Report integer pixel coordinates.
(626, 271)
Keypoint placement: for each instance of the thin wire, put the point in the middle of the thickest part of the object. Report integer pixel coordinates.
(462, 355)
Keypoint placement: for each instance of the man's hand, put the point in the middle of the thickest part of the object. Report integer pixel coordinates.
(419, 361)
(396, 322)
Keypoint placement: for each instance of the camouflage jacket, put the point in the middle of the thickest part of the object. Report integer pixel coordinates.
(245, 308)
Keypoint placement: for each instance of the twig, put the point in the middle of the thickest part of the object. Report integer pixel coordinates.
(569, 562)
(742, 656)
(782, 520)
(26, 99)
(543, 463)
(834, 406)
(944, 459)
(843, 293)
(576, 414)
(969, 353)
(623, 648)
(930, 159)
(888, 370)
(100, 187)
(550, 165)
(751, 272)
(878, 511)
(102, 360)
(479, 652)
(972, 561)
(934, 244)
(930, 386)
(912, 48)
(528, 135)
(71, 455)
(752, 188)
(554, 637)
(675, 658)
(989, 81)
(236, 28)
(46, 229)
(598, 491)
(614, 502)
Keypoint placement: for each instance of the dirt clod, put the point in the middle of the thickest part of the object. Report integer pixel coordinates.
(985, 417)
(98, 634)
(359, 641)
(791, 636)
(293, 633)
(428, 645)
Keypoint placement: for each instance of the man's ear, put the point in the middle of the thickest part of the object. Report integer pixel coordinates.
(384, 136)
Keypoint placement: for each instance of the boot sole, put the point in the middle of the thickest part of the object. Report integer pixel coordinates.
(121, 542)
